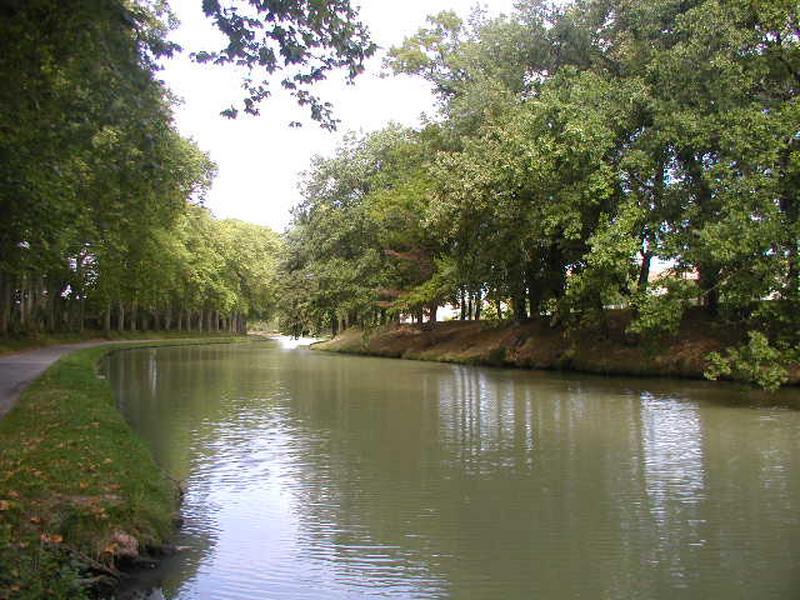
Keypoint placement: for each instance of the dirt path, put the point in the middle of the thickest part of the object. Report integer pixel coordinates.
(18, 370)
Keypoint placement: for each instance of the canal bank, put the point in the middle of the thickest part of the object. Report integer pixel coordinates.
(538, 345)
(80, 495)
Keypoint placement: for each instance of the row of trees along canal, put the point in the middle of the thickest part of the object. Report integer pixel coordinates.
(576, 147)
(100, 219)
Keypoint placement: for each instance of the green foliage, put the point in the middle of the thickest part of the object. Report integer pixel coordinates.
(578, 147)
(659, 313)
(757, 362)
(304, 39)
(358, 247)
(98, 191)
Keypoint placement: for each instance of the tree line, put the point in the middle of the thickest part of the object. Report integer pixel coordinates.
(101, 222)
(584, 157)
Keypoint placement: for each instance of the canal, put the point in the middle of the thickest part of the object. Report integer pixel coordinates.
(315, 475)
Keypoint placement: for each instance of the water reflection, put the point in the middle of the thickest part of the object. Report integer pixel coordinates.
(314, 475)
(486, 423)
(674, 471)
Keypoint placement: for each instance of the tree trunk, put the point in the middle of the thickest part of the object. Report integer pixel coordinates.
(791, 211)
(644, 271)
(23, 290)
(518, 307)
(793, 272)
(38, 300)
(121, 317)
(134, 315)
(5, 303)
(107, 320)
(789, 208)
(52, 299)
(708, 280)
(81, 313)
(432, 308)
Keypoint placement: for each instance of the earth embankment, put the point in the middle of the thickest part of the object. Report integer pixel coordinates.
(537, 344)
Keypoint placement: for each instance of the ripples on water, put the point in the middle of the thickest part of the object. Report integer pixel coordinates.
(320, 476)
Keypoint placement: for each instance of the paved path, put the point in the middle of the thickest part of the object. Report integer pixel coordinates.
(18, 370)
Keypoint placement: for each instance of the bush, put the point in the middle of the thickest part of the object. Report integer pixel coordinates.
(660, 315)
(756, 362)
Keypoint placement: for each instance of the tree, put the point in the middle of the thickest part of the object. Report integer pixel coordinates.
(97, 187)
(577, 145)
(305, 39)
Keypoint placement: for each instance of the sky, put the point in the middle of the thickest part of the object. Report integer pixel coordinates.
(260, 159)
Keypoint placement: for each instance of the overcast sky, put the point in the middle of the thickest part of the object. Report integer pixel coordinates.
(260, 158)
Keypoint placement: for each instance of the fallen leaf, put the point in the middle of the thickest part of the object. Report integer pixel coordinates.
(5, 505)
(51, 539)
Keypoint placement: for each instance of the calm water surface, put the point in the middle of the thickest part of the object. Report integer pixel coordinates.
(313, 475)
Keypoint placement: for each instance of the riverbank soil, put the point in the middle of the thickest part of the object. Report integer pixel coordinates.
(536, 344)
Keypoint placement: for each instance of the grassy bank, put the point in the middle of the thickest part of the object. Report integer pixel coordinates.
(27, 342)
(537, 345)
(79, 492)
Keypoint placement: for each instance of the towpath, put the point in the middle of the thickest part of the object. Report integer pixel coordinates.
(18, 370)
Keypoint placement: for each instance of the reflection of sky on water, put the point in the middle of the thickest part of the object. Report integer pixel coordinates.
(269, 509)
(674, 471)
(290, 343)
(152, 371)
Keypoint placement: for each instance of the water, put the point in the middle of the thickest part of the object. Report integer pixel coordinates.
(314, 475)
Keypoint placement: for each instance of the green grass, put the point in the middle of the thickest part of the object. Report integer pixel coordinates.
(26, 342)
(72, 475)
